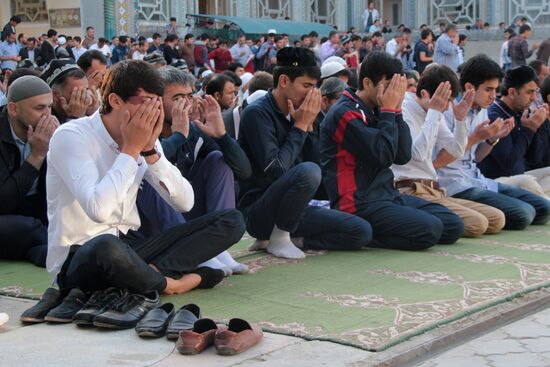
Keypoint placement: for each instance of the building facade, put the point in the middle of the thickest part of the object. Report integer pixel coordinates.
(131, 17)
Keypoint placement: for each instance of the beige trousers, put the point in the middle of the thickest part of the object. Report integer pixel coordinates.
(478, 218)
(536, 181)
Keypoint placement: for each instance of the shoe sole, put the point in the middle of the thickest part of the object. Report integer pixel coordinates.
(111, 326)
(31, 320)
(188, 351)
(227, 351)
(83, 322)
(57, 320)
(149, 334)
(170, 336)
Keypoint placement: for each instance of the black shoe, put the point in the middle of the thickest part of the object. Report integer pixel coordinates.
(50, 299)
(156, 321)
(67, 309)
(127, 313)
(98, 303)
(183, 320)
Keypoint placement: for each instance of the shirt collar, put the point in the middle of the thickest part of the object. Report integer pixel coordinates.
(15, 137)
(505, 108)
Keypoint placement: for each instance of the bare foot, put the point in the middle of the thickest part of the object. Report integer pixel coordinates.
(182, 285)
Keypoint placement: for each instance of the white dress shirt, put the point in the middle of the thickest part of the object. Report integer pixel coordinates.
(428, 129)
(92, 187)
(392, 47)
(463, 173)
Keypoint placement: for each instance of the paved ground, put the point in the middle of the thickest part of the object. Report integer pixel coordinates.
(524, 343)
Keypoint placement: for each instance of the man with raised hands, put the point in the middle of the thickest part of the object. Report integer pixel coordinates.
(95, 167)
(423, 113)
(461, 177)
(362, 136)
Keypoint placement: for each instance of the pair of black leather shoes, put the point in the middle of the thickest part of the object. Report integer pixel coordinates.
(52, 307)
(164, 320)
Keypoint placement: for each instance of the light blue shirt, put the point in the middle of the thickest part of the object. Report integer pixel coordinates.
(7, 49)
(25, 151)
(236, 53)
(463, 173)
(446, 52)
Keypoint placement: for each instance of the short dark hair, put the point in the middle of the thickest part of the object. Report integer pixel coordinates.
(537, 65)
(188, 35)
(217, 84)
(406, 30)
(462, 37)
(261, 81)
(435, 75)
(125, 78)
(313, 34)
(76, 38)
(293, 72)
(524, 28)
(204, 36)
(425, 33)
(378, 65)
(89, 27)
(450, 27)
(234, 65)
(517, 78)
(332, 33)
(16, 19)
(156, 35)
(236, 80)
(171, 38)
(377, 34)
(479, 69)
(122, 39)
(544, 89)
(304, 36)
(173, 19)
(19, 72)
(51, 33)
(355, 37)
(510, 31)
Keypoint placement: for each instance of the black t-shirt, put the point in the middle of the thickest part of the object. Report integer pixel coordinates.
(421, 47)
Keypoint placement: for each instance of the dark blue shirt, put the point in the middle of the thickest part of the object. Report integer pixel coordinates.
(509, 156)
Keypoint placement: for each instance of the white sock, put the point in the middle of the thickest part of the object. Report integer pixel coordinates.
(4, 318)
(259, 245)
(280, 245)
(214, 263)
(228, 260)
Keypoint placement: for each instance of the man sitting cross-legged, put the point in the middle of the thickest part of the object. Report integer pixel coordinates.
(364, 134)
(95, 167)
(205, 155)
(273, 133)
(423, 113)
(461, 177)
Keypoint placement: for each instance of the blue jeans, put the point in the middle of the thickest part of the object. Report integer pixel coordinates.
(520, 207)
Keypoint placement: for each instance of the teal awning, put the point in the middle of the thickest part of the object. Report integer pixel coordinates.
(262, 25)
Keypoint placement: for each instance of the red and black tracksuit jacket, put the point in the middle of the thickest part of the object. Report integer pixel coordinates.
(358, 146)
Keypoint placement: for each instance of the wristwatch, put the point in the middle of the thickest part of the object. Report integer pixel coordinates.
(148, 153)
(493, 143)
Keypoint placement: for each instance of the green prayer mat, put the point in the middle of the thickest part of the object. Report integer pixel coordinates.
(371, 299)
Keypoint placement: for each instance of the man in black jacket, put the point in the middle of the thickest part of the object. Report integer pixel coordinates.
(274, 135)
(29, 51)
(26, 126)
(10, 27)
(364, 134)
(204, 153)
(47, 49)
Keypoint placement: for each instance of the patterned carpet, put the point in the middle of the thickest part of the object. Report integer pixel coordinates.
(371, 299)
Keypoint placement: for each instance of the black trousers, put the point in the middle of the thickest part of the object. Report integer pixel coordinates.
(411, 223)
(23, 238)
(285, 204)
(109, 261)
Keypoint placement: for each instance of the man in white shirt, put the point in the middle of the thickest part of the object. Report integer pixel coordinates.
(370, 15)
(423, 113)
(95, 167)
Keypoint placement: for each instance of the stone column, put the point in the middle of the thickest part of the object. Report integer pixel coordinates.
(298, 9)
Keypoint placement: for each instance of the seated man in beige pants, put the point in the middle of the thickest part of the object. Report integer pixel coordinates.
(423, 113)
